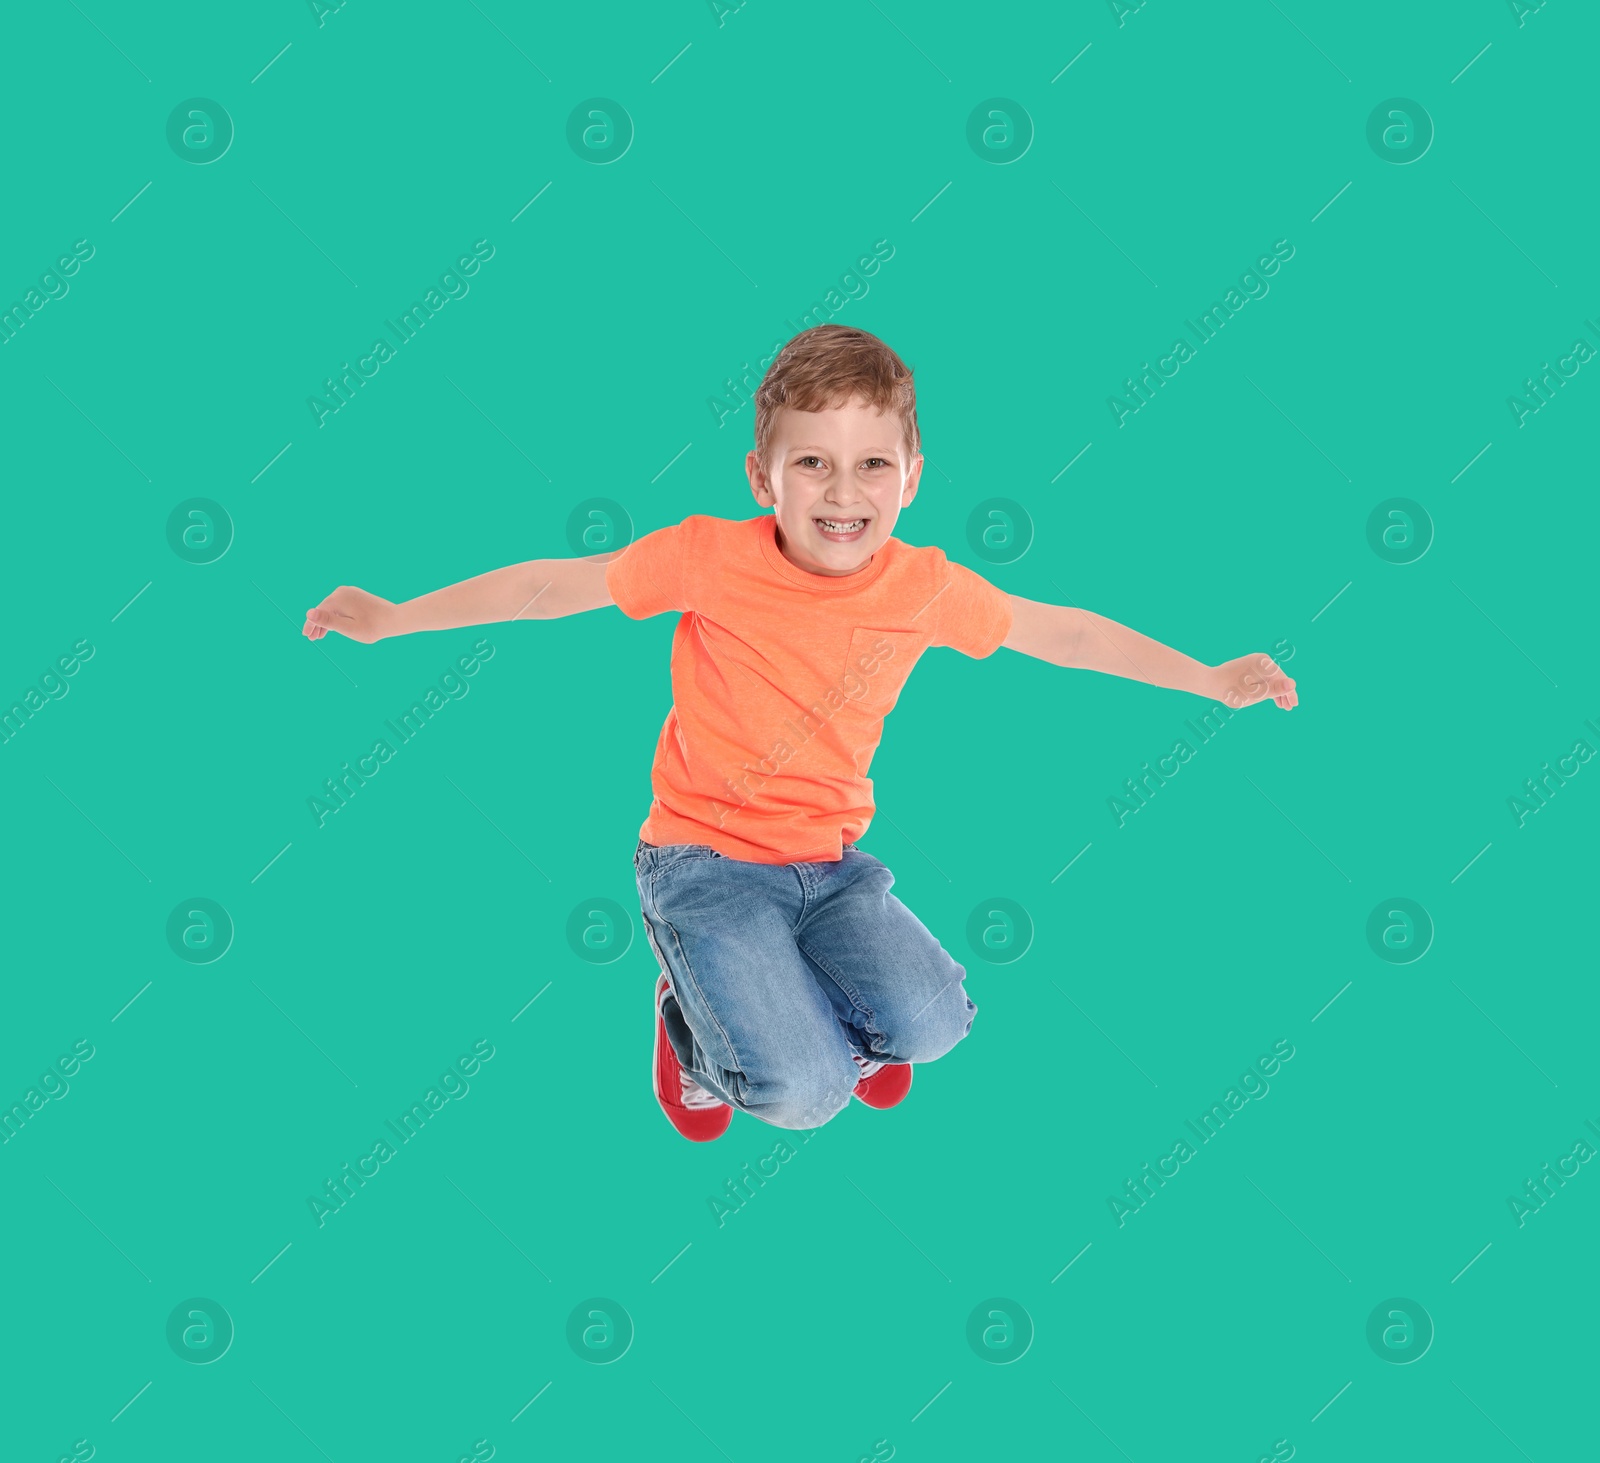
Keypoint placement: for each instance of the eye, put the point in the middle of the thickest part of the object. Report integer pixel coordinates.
(877, 459)
(805, 460)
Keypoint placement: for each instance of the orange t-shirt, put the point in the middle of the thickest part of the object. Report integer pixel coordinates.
(781, 679)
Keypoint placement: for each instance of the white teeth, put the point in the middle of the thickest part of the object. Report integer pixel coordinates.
(835, 525)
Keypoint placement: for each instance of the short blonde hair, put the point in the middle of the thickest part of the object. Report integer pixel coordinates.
(827, 366)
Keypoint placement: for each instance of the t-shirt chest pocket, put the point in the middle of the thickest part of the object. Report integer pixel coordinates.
(877, 665)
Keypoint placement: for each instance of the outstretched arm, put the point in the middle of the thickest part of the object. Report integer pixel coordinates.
(1066, 636)
(540, 589)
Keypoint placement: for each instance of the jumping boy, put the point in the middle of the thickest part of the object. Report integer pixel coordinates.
(791, 977)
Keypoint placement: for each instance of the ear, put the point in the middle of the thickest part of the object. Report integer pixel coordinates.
(760, 483)
(913, 481)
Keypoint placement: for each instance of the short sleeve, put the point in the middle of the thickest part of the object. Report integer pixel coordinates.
(651, 576)
(972, 615)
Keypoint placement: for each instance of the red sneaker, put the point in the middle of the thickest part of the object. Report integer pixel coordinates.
(883, 1085)
(699, 1115)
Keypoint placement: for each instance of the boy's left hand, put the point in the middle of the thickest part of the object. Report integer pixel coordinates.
(1253, 678)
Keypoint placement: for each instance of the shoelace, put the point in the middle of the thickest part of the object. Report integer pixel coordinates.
(696, 1096)
(868, 1068)
(690, 1092)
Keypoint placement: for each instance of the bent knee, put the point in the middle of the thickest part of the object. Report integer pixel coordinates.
(801, 1097)
(932, 1032)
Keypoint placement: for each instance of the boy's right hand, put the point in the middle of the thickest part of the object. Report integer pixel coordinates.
(353, 613)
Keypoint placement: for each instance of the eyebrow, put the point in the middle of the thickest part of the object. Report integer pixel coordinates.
(870, 451)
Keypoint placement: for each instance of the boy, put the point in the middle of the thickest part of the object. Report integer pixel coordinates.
(792, 978)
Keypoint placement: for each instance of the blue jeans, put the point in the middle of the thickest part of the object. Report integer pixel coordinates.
(779, 972)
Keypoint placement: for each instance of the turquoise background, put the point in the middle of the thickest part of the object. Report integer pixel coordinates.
(828, 1317)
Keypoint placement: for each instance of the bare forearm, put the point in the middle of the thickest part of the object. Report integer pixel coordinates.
(511, 593)
(1067, 636)
(1104, 645)
(540, 589)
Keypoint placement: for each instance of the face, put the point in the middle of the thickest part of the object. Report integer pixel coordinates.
(838, 481)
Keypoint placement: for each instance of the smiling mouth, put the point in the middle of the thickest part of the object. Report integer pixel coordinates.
(840, 530)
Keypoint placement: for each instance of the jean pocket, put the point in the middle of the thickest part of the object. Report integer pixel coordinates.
(675, 855)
